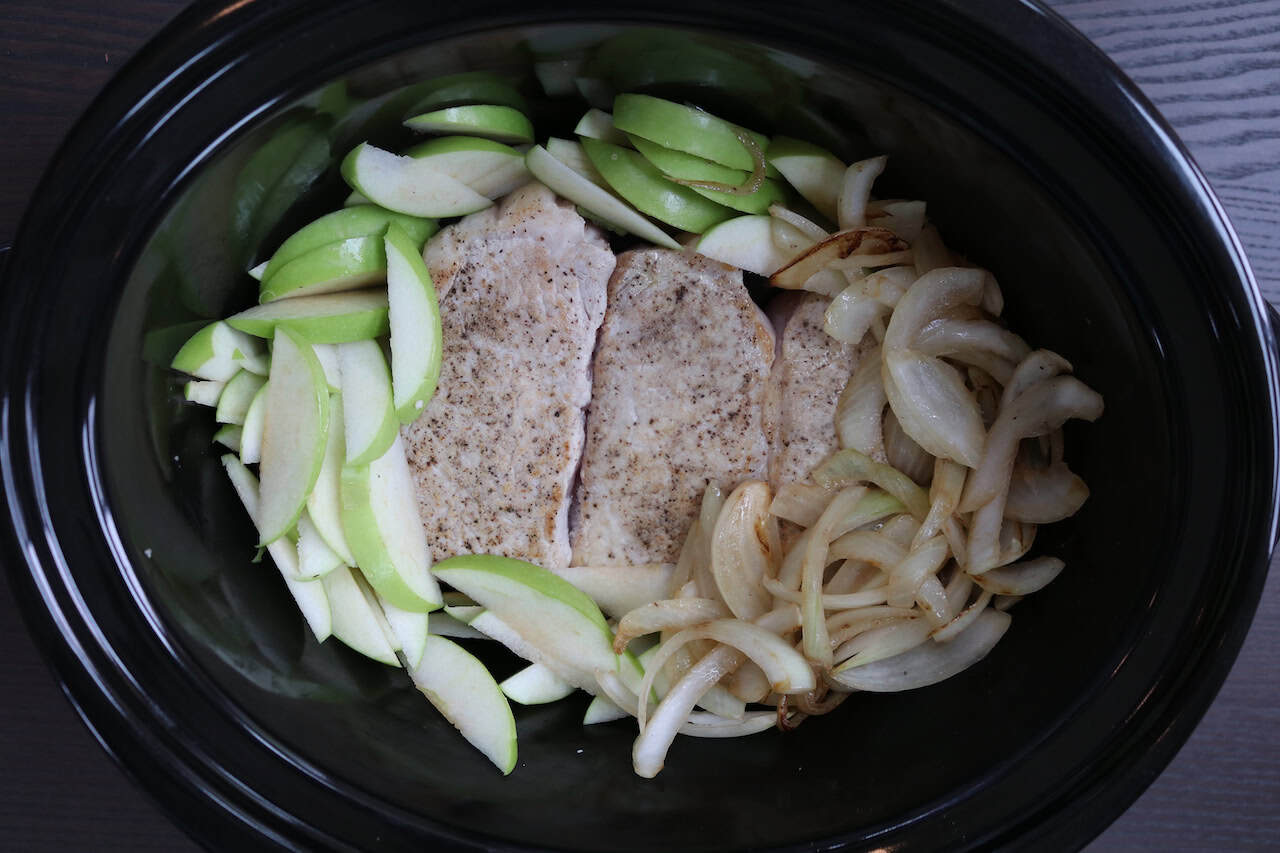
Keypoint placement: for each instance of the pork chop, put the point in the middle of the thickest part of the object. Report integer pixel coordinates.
(522, 294)
(678, 401)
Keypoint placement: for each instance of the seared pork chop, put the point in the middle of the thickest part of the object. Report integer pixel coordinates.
(678, 400)
(522, 294)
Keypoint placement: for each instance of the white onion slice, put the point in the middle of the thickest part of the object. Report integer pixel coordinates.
(848, 624)
(813, 624)
(963, 619)
(1021, 578)
(673, 614)
(930, 298)
(843, 601)
(933, 406)
(929, 252)
(855, 191)
(871, 547)
(851, 314)
(854, 576)
(904, 218)
(921, 562)
(884, 642)
(837, 247)
(745, 548)
(847, 467)
(860, 409)
(810, 229)
(956, 338)
(904, 454)
(1044, 495)
(801, 503)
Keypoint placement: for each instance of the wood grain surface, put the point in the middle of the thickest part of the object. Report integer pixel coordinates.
(1213, 68)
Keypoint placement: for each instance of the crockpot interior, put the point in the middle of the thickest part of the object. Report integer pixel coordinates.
(880, 761)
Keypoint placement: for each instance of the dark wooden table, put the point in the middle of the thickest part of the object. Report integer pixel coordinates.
(1213, 67)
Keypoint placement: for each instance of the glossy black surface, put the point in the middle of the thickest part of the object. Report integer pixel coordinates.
(1036, 159)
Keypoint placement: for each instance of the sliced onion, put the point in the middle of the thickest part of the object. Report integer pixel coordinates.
(933, 406)
(851, 313)
(963, 619)
(827, 282)
(801, 503)
(958, 541)
(1021, 578)
(929, 251)
(848, 624)
(712, 504)
(870, 547)
(816, 233)
(855, 191)
(1016, 539)
(713, 725)
(992, 297)
(901, 530)
(860, 409)
(1039, 409)
(749, 683)
(931, 662)
(690, 554)
(958, 589)
(886, 641)
(954, 338)
(944, 494)
(929, 299)
(904, 454)
(788, 239)
(904, 218)
(854, 576)
(830, 601)
(842, 244)
(1036, 367)
(745, 550)
(984, 536)
(813, 623)
(846, 467)
(906, 577)
(620, 589)
(1044, 495)
(673, 614)
(932, 598)
(889, 285)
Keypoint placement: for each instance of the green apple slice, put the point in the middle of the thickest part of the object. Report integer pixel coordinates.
(490, 168)
(369, 418)
(315, 558)
(409, 630)
(815, 172)
(564, 181)
(570, 153)
(385, 533)
(686, 129)
(556, 76)
(638, 181)
(324, 504)
(602, 710)
(461, 689)
(218, 351)
(310, 596)
(491, 121)
(416, 336)
(258, 271)
(548, 613)
(745, 242)
(677, 164)
(360, 221)
(234, 401)
(469, 87)
(345, 265)
(408, 186)
(229, 437)
(328, 318)
(536, 685)
(442, 624)
(357, 622)
(205, 392)
(255, 421)
(327, 355)
(598, 124)
(293, 434)
(355, 198)
(618, 590)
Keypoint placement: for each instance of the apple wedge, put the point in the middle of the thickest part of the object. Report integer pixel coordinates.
(639, 182)
(686, 129)
(490, 168)
(598, 124)
(570, 153)
(814, 172)
(461, 689)
(442, 624)
(258, 271)
(218, 351)
(469, 87)
(324, 504)
(234, 401)
(310, 596)
(357, 621)
(315, 558)
(330, 318)
(204, 392)
(369, 420)
(327, 355)
(293, 434)
(408, 186)
(416, 337)
(564, 181)
(366, 220)
(535, 685)
(408, 628)
(345, 265)
(549, 614)
(620, 589)
(384, 531)
(228, 435)
(745, 242)
(490, 121)
(677, 164)
(254, 422)
(602, 710)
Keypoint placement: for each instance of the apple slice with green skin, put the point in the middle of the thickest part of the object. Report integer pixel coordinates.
(356, 621)
(461, 688)
(293, 434)
(354, 198)
(491, 121)
(384, 531)
(328, 318)
(602, 710)
(570, 153)
(815, 172)
(324, 504)
(677, 164)
(548, 613)
(254, 422)
(407, 185)
(416, 336)
(229, 437)
(217, 352)
(204, 392)
(598, 124)
(639, 182)
(327, 355)
(234, 401)
(409, 629)
(360, 221)
(535, 685)
(686, 129)
(745, 242)
(315, 558)
(565, 182)
(490, 168)
(258, 271)
(618, 590)
(369, 422)
(310, 596)
(346, 265)
(442, 624)
(469, 88)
